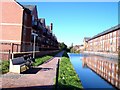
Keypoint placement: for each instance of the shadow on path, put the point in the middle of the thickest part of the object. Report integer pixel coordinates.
(35, 70)
(31, 71)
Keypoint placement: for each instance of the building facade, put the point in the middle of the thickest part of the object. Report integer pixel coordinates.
(85, 43)
(18, 25)
(78, 48)
(107, 41)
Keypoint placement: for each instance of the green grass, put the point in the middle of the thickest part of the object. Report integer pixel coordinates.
(41, 60)
(68, 79)
(4, 66)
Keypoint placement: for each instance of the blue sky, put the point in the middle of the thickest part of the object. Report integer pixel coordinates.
(73, 21)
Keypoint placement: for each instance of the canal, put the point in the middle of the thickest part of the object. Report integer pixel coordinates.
(92, 71)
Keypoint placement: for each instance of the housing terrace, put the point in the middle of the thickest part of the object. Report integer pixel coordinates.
(20, 28)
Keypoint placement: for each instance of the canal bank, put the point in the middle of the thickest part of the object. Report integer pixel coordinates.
(88, 77)
(103, 54)
(67, 77)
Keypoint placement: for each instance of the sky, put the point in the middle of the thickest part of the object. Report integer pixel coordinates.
(72, 21)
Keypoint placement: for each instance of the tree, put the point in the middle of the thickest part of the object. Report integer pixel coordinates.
(63, 46)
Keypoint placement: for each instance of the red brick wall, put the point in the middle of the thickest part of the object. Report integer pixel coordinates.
(11, 33)
(27, 27)
(4, 56)
(27, 19)
(12, 15)
(35, 13)
(110, 43)
(11, 12)
(26, 32)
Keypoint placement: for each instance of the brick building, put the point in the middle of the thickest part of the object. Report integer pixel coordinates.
(85, 42)
(18, 24)
(106, 41)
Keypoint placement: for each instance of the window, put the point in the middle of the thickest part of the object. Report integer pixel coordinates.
(110, 35)
(114, 34)
(33, 18)
(25, 16)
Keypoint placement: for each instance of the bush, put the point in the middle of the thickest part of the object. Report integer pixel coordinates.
(4, 66)
(65, 54)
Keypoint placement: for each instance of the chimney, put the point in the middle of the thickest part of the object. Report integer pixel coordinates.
(51, 26)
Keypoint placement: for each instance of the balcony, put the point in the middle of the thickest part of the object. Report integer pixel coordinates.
(49, 35)
(40, 27)
(44, 32)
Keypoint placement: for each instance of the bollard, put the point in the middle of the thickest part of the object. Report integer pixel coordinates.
(57, 74)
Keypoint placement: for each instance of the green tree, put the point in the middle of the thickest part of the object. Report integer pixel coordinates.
(63, 46)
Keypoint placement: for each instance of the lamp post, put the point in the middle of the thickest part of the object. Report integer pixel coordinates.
(35, 35)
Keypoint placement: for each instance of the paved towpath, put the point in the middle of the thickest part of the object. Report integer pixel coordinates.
(41, 78)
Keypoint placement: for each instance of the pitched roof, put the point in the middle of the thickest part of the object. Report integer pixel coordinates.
(30, 7)
(86, 38)
(106, 31)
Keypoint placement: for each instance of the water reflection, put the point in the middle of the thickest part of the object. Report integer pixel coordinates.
(89, 79)
(108, 69)
(119, 65)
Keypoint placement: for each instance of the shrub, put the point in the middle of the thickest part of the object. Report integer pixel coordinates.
(4, 66)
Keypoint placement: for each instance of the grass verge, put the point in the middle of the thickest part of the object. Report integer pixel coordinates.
(41, 60)
(68, 79)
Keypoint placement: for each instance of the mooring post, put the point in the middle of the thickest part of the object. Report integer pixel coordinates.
(57, 75)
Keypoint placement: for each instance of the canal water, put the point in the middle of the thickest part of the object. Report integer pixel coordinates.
(89, 78)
